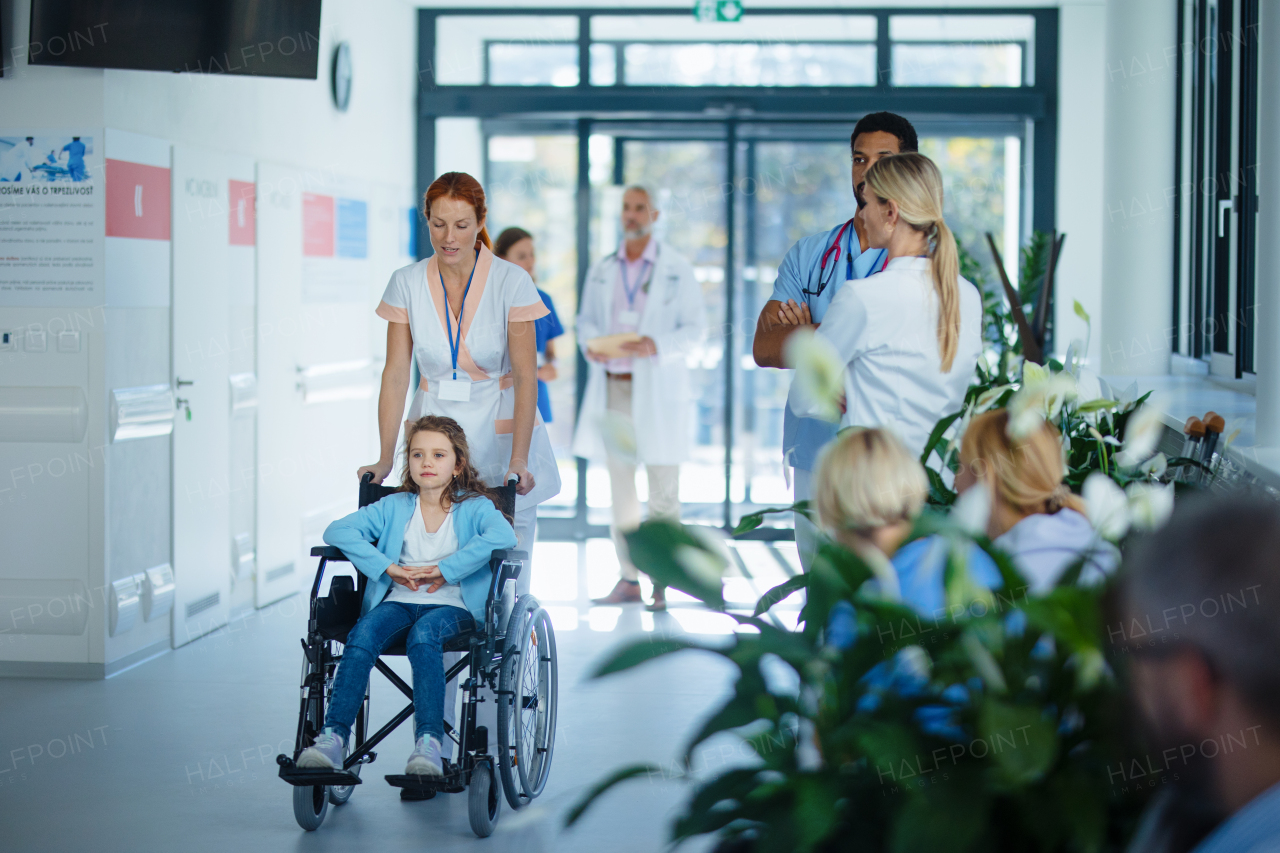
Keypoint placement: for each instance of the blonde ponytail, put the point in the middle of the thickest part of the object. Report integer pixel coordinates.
(945, 261)
(913, 181)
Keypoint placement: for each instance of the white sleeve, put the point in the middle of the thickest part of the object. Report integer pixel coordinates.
(845, 323)
(691, 320)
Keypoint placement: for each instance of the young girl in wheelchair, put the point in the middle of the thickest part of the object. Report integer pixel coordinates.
(425, 550)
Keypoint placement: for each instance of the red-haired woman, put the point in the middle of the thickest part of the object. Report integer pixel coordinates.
(467, 318)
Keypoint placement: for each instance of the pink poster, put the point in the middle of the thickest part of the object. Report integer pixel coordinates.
(317, 225)
(137, 200)
(242, 227)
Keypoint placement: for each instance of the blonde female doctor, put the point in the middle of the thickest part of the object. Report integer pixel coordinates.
(643, 398)
(910, 335)
(467, 318)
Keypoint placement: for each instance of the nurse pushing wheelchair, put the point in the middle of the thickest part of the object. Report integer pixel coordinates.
(421, 552)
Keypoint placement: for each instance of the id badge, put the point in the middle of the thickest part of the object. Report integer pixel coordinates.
(629, 318)
(457, 390)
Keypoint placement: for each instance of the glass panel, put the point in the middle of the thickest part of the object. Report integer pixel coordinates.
(604, 65)
(752, 28)
(533, 64)
(685, 179)
(460, 39)
(957, 65)
(981, 29)
(798, 188)
(532, 183)
(749, 65)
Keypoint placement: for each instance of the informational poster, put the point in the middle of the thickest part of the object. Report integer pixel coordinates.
(335, 248)
(51, 218)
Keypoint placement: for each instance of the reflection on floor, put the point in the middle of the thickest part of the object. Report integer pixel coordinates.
(179, 753)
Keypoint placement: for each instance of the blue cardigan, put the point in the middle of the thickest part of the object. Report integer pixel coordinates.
(481, 529)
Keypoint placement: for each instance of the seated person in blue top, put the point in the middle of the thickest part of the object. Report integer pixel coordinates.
(1034, 517)
(867, 491)
(810, 275)
(428, 583)
(516, 245)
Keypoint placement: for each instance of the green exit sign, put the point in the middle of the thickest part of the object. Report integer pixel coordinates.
(717, 10)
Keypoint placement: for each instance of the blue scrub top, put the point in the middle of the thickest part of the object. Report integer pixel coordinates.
(802, 438)
(544, 329)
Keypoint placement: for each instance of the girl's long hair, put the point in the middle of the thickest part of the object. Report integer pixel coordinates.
(1026, 473)
(466, 483)
(914, 182)
(463, 187)
(867, 479)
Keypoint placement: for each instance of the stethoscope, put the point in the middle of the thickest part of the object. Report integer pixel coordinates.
(824, 278)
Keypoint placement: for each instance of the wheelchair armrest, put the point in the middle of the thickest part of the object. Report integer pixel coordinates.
(329, 552)
(506, 565)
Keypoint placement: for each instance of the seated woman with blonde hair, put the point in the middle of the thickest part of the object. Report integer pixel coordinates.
(1034, 516)
(868, 490)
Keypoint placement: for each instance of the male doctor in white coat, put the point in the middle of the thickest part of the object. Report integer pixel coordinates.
(644, 398)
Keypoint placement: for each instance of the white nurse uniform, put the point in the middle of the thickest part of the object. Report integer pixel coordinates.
(500, 292)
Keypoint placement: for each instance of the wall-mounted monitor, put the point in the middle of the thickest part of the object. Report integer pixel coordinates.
(262, 38)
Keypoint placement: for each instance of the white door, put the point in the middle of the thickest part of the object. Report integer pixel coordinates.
(202, 540)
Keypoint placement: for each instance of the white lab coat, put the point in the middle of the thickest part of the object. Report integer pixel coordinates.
(661, 393)
(885, 327)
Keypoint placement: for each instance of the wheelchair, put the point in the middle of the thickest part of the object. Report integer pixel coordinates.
(515, 658)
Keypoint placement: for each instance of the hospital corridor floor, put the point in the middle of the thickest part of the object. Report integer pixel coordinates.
(178, 753)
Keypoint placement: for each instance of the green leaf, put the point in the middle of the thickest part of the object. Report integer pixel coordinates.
(679, 556)
(779, 592)
(936, 436)
(640, 651)
(939, 494)
(614, 778)
(1080, 312)
(815, 809)
(752, 520)
(1021, 741)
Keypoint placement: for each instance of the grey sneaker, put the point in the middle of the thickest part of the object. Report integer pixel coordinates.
(327, 753)
(425, 760)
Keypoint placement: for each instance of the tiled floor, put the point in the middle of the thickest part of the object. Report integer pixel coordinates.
(179, 753)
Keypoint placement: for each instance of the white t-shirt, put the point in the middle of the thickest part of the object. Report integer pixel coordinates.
(427, 549)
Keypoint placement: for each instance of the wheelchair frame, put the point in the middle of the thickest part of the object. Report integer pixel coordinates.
(330, 620)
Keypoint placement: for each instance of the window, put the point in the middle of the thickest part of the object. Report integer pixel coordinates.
(533, 64)
(960, 50)
(750, 65)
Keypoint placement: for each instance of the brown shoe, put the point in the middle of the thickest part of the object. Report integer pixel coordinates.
(624, 592)
(659, 600)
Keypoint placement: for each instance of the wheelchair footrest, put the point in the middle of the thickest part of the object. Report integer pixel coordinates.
(308, 776)
(449, 783)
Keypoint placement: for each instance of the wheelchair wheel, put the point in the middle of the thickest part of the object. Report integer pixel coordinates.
(528, 685)
(310, 803)
(483, 803)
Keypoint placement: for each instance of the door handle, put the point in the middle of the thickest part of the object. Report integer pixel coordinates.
(182, 382)
(1224, 204)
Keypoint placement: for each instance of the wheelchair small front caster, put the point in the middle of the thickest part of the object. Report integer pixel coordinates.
(484, 803)
(310, 803)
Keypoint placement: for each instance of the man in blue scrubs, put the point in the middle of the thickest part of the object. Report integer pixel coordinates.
(75, 158)
(811, 274)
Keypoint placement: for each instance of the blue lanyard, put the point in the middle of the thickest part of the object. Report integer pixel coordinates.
(626, 285)
(455, 345)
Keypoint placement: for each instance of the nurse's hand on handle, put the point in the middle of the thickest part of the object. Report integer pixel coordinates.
(519, 470)
(379, 470)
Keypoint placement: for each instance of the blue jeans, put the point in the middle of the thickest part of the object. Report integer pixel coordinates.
(425, 628)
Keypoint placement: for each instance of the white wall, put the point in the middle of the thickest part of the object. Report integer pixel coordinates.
(1079, 180)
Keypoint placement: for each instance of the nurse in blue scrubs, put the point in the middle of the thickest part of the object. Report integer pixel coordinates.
(516, 245)
(812, 272)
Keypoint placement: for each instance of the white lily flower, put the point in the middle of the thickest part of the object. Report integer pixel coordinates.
(1149, 504)
(987, 399)
(1107, 506)
(819, 379)
(972, 510)
(915, 662)
(1033, 374)
(1059, 390)
(1141, 436)
(1071, 361)
(1128, 396)
(1155, 466)
(1039, 400)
